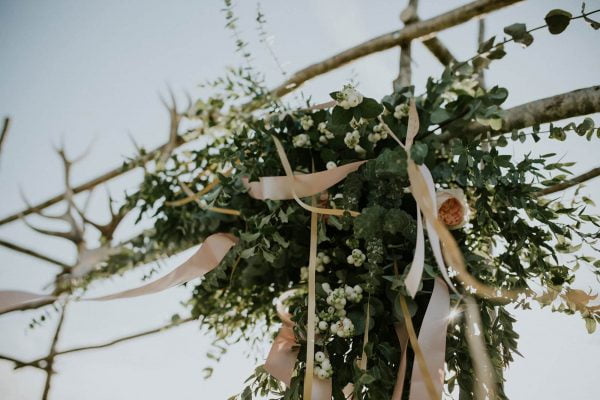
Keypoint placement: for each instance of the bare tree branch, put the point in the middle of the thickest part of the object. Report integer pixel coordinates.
(37, 363)
(480, 40)
(441, 52)
(4, 132)
(414, 31)
(49, 367)
(32, 253)
(571, 182)
(130, 337)
(408, 16)
(561, 106)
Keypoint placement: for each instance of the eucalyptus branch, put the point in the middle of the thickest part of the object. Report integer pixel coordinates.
(571, 182)
(583, 15)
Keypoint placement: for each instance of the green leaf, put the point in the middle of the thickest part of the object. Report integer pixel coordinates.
(370, 108)
(341, 116)
(518, 32)
(418, 152)
(558, 20)
(487, 45)
(440, 115)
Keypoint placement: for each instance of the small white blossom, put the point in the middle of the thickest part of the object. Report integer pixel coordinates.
(374, 137)
(306, 122)
(301, 140)
(349, 97)
(319, 356)
(401, 111)
(357, 258)
(352, 139)
(331, 165)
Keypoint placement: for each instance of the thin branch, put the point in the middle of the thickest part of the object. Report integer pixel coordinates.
(571, 182)
(88, 185)
(441, 52)
(20, 363)
(33, 253)
(130, 337)
(4, 132)
(49, 367)
(37, 363)
(414, 31)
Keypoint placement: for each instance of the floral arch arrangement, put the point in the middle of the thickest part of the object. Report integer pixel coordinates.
(379, 242)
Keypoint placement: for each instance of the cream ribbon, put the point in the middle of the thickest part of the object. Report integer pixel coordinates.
(207, 257)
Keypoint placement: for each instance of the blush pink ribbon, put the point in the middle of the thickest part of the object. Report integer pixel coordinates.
(207, 257)
(279, 188)
(283, 354)
(432, 340)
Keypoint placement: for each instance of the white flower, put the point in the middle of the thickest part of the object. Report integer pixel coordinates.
(352, 139)
(331, 165)
(349, 97)
(319, 356)
(301, 140)
(374, 137)
(453, 208)
(306, 122)
(401, 111)
(357, 258)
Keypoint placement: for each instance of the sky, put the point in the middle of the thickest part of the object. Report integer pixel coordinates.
(83, 73)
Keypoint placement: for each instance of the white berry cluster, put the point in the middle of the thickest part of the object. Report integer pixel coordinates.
(322, 260)
(468, 86)
(306, 122)
(301, 140)
(326, 134)
(334, 318)
(401, 111)
(378, 134)
(357, 258)
(323, 368)
(349, 97)
(331, 165)
(352, 140)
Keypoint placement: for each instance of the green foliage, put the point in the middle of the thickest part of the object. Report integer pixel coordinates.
(558, 20)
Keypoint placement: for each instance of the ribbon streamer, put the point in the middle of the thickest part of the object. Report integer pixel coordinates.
(209, 255)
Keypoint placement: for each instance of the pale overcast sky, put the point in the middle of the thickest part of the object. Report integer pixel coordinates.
(92, 71)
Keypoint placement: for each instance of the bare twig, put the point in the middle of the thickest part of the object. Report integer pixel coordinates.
(49, 367)
(174, 120)
(4, 132)
(130, 337)
(571, 182)
(33, 253)
(37, 363)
